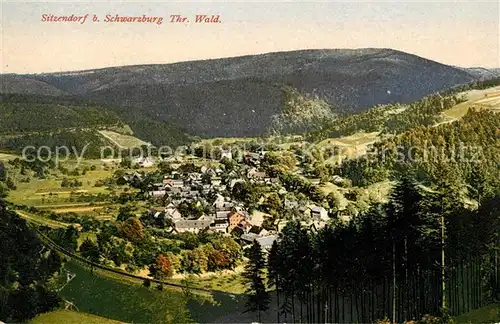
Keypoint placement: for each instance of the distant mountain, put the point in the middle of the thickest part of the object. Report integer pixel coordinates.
(241, 96)
(483, 73)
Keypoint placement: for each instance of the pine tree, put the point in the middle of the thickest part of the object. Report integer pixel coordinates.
(273, 279)
(258, 298)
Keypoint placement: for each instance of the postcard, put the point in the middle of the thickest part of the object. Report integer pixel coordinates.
(249, 161)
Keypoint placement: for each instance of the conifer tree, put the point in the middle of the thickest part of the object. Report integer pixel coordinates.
(258, 298)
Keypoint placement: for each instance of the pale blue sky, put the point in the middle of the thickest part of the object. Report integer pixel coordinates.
(455, 33)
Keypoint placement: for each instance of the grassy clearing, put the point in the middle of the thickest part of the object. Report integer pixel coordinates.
(37, 219)
(67, 316)
(48, 193)
(356, 139)
(488, 314)
(87, 235)
(121, 140)
(350, 146)
(487, 98)
(123, 300)
(224, 282)
(6, 157)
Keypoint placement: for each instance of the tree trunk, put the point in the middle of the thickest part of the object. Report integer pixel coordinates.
(394, 320)
(443, 274)
(278, 301)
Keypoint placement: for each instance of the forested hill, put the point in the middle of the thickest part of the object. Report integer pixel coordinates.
(464, 152)
(21, 114)
(241, 96)
(38, 120)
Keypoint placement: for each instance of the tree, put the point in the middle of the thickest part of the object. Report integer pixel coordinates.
(165, 266)
(258, 297)
(90, 250)
(273, 279)
(124, 213)
(66, 237)
(131, 229)
(273, 203)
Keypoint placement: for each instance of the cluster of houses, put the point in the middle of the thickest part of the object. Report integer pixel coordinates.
(225, 217)
(180, 188)
(208, 187)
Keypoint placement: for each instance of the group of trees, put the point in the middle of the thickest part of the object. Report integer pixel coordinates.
(26, 269)
(421, 253)
(392, 119)
(129, 242)
(468, 146)
(68, 183)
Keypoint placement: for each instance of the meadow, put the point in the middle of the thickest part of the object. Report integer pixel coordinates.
(122, 300)
(70, 316)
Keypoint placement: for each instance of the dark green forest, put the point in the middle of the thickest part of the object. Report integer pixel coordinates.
(421, 253)
(25, 113)
(27, 269)
(73, 122)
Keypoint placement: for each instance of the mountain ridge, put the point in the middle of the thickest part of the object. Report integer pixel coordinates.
(239, 96)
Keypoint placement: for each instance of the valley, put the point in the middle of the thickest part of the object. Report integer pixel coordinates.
(322, 203)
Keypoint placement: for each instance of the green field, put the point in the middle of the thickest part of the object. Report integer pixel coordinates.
(6, 157)
(224, 282)
(66, 316)
(350, 146)
(121, 140)
(40, 220)
(475, 98)
(121, 300)
(39, 192)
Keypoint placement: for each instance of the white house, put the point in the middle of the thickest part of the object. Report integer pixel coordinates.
(319, 213)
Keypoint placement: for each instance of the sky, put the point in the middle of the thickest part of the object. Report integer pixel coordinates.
(463, 33)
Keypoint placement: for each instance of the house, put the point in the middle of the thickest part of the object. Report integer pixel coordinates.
(290, 204)
(305, 211)
(173, 213)
(235, 181)
(275, 180)
(252, 159)
(226, 154)
(338, 180)
(241, 210)
(319, 213)
(261, 231)
(134, 177)
(220, 223)
(266, 242)
(222, 203)
(145, 162)
(234, 219)
(315, 181)
(174, 183)
(219, 201)
(216, 181)
(192, 225)
(222, 214)
(245, 226)
(157, 193)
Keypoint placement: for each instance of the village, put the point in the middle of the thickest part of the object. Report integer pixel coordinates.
(215, 199)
